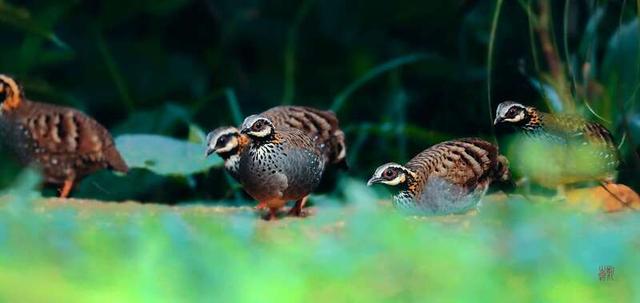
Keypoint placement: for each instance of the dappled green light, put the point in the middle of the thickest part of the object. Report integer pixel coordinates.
(402, 76)
(553, 163)
(363, 252)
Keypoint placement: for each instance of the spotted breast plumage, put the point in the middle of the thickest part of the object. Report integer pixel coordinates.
(564, 149)
(322, 126)
(281, 164)
(450, 177)
(64, 143)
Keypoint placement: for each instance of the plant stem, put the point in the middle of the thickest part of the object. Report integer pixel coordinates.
(494, 27)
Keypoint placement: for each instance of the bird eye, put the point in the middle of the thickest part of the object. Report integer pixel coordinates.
(513, 111)
(223, 140)
(258, 125)
(390, 174)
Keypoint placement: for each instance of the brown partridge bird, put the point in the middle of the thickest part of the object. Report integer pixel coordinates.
(281, 164)
(64, 143)
(322, 126)
(559, 149)
(450, 177)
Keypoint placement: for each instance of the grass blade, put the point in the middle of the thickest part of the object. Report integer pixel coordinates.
(492, 39)
(114, 71)
(342, 97)
(290, 53)
(565, 41)
(232, 100)
(21, 18)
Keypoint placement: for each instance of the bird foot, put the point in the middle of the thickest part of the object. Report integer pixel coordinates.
(261, 206)
(66, 189)
(298, 209)
(271, 215)
(561, 194)
(297, 212)
(559, 198)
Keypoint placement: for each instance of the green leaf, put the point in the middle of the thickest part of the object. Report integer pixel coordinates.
(21, 18)
(165, 155)
(196, 134)
(163, 119)
(375, 72)
(621, 63)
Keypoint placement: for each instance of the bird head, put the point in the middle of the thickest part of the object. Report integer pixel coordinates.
(392, 174)
(512, 113)
(258, 127)
(10, 93)
(223, 141)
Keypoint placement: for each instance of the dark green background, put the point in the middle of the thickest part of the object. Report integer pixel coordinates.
(160, 66)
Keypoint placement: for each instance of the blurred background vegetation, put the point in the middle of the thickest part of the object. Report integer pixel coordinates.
(402, 75)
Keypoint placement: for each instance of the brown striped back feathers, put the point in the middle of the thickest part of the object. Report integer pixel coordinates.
(321, 125)
(467, 162)
(449, 177)
(65, 143)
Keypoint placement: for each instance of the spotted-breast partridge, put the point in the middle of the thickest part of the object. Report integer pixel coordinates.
(64, 143)
(555, 150)
(321, 125)
(449, 177)
(281, 164)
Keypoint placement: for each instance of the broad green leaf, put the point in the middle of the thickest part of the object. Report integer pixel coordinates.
(165, 155)
(196, 134)
(163, 119)
(622, 61)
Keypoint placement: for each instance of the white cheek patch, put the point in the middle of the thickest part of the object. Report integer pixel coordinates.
(399, 179)
(229, 147)
(263, 133)
(517, 118)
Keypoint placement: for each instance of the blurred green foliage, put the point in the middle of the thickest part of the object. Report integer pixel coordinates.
(402, 75)
(514, 252)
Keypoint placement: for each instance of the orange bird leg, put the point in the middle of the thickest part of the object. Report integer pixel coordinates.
(261, 205)
(66, 189)
(297, 210)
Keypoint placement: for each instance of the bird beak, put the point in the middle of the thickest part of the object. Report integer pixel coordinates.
(373, 181)
(209, 151)
(244, 131)
(497, 120)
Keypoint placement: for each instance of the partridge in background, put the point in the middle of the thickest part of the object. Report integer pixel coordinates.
(322, 126)
(64, 143)
(559, 149)
(450, 177)
(281, 164)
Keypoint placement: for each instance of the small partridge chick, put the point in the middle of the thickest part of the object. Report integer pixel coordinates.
(450, 177)
(281, 164)
(558, 149)
(64, 143)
